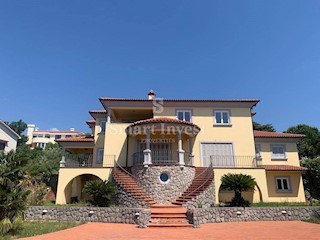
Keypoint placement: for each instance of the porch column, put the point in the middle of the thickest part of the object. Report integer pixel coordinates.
(63, 158)
(147, 152)
(108, 115)
(191, 156)
(180, 150)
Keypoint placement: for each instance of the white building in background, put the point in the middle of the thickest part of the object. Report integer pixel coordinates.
(8, 138)
(39, 138)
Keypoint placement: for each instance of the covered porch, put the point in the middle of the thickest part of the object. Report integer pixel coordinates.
(162, 141)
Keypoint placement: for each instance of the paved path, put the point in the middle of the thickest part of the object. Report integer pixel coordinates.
(233, 230)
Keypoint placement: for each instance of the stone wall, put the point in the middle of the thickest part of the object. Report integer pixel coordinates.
(210, 215)
(164, 193)
(125, 199)
(205, 199)
(89, 214)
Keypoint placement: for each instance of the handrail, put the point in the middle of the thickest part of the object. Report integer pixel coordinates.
(116, 164)
(210, 168)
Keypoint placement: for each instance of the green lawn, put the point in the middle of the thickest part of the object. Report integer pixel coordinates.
(281, 204)
(40, 227)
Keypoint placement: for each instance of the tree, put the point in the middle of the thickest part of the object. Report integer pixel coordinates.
(100, 191)
(19, 127)
(263, 127)
(311, 178)
(308, 147)
(13, 194)
(238, 183)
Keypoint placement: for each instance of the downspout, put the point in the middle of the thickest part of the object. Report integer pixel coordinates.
(127, 150)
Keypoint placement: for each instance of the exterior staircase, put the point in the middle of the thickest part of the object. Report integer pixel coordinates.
(203, 178)
(124, 178)
(168, 216)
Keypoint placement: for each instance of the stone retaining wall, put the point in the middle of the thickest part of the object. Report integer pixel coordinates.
(164, 193)
(227, 214)
(137, 216)
(206, 199)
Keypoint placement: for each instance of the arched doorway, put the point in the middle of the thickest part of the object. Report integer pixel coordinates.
(73, 190)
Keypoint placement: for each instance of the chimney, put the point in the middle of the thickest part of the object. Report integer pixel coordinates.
(72, 129)
(151, 95)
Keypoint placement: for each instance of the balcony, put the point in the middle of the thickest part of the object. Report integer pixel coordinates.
(86, 161)
(235, 161)
(162, 158)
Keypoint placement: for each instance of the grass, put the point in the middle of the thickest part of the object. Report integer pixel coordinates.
(35, 228)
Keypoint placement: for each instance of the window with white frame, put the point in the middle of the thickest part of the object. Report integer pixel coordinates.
(184, 115)
(283, 184)
(40, 145)
(100, 155)
(278, 151)
(222, 117)
(258, 151)
(102, 126)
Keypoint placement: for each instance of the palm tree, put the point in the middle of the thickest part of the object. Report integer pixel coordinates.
(238, 183)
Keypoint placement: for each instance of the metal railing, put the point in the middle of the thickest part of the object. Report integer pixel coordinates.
(86, 161)
(161, 158)
(233, 161)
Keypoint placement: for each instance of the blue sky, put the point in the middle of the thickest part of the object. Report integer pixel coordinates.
(58, 57)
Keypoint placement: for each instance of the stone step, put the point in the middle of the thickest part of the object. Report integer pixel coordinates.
(168, 210)
(167, 215)
(164, 206)
(171, 225)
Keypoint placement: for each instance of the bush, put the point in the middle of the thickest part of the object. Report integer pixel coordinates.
(100, 191)
(311, 178)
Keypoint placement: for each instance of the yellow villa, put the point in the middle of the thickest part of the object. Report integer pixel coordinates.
(162, 151)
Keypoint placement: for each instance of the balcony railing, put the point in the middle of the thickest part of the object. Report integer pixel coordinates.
(161, 158)
(235, 161)
(86, 160)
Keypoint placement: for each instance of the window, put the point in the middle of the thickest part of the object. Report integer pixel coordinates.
(283, 184)
(57, 136)
(222, 117)
(2, 145)
(41, 145)
(184, 115)
(278, 151)
(258, 151)
(100, 153)
(102, 126)
(68, 136)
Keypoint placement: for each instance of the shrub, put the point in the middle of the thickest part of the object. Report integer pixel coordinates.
(238, 183)
(100, 191)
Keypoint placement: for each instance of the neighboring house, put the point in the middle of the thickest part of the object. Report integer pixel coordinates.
(39, 138)
(8, 138)
(176, 151)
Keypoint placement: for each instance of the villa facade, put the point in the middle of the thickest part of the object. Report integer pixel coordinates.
(160, 151)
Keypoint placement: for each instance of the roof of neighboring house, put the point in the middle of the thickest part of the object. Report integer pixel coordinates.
(264, 134)
(56, 131)
(9, 129)
(283, 168)
(162, 120)
(76, 139)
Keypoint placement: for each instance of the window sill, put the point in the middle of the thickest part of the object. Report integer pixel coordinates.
(222, 125)
(279, 159)
(284, 191)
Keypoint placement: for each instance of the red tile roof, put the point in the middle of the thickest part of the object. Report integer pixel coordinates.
(97, 111)
(162, 120)
(182, 100)
(91, 123)
(283, 168)
(76, 139)
(264, 134)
